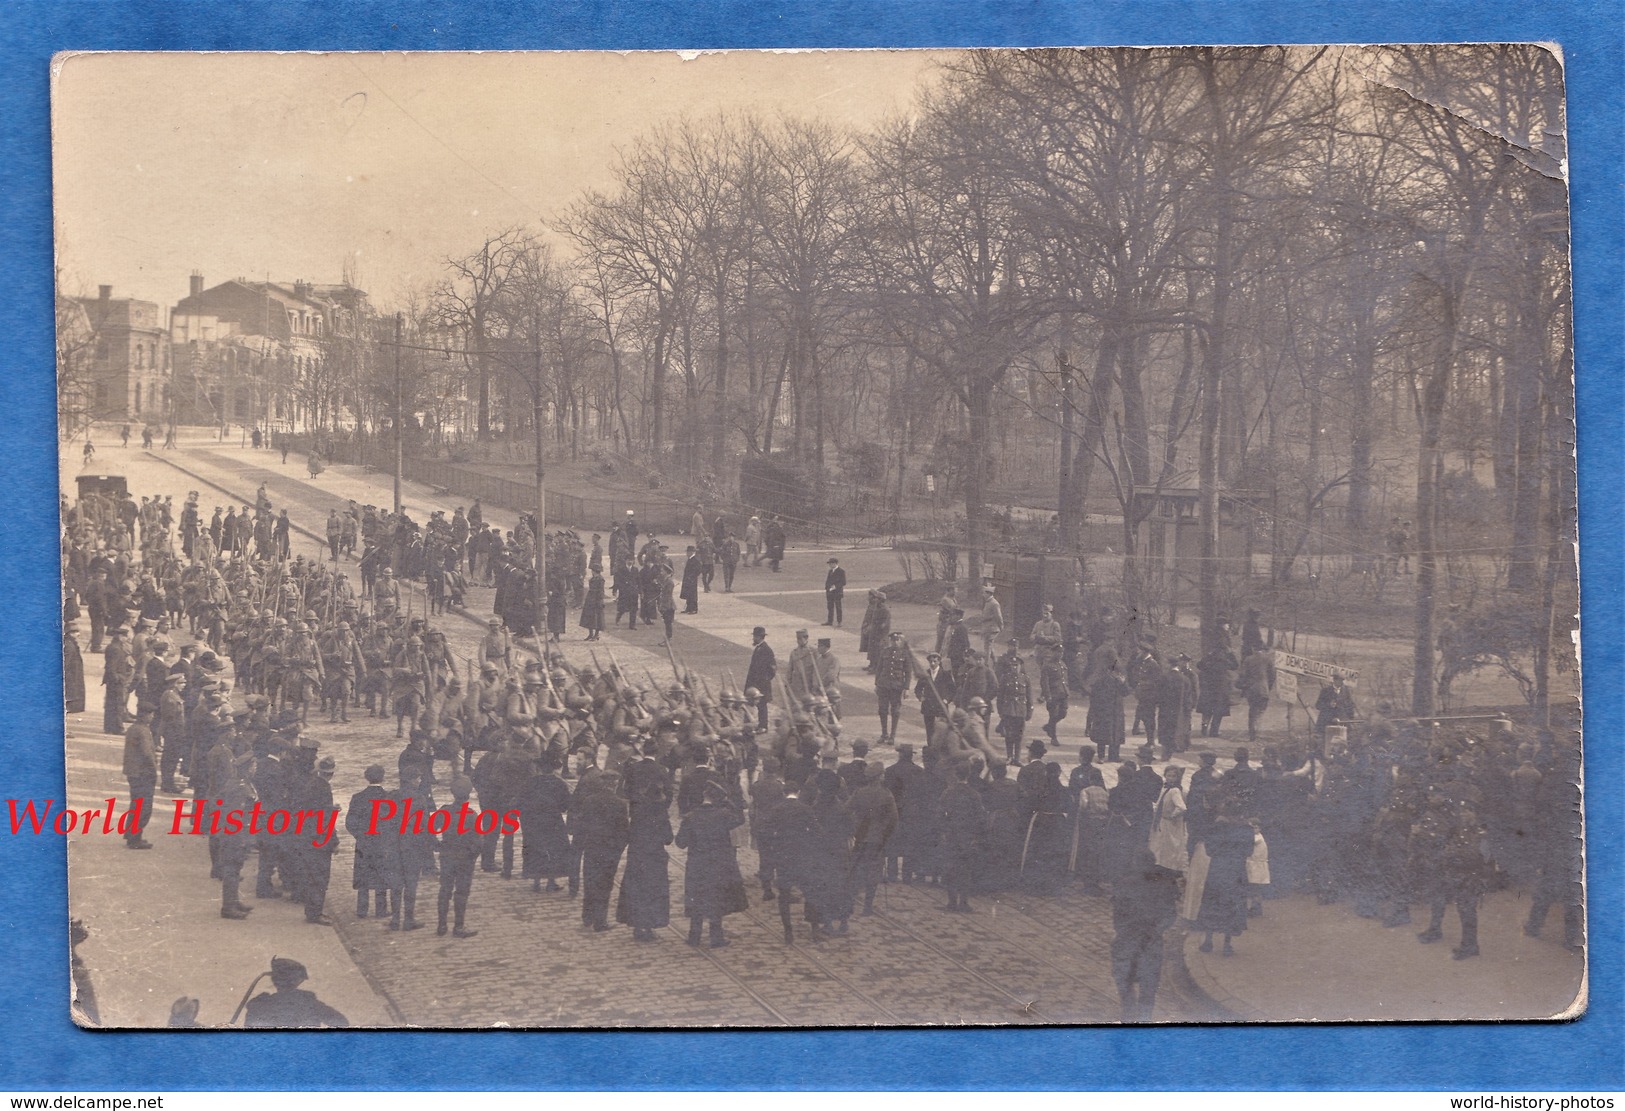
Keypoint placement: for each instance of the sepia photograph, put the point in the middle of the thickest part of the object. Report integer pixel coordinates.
(466, 461)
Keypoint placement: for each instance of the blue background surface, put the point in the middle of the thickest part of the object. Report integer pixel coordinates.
(41, 1048)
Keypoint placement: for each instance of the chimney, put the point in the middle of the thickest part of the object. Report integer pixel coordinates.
(197, 282)
(105, 292)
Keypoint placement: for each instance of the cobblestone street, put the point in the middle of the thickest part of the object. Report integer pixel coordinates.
(1016, 960)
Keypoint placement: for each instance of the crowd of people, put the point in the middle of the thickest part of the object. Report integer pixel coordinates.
(607, 769)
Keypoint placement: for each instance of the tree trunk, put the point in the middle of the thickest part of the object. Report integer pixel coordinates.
(1362, 421)
(1093, 435)
(979, 394)
(1130, 354)
(1523, 564)
(1428, 461)
(719, 419)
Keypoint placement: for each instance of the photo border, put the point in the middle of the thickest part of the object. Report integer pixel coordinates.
(44, 1049)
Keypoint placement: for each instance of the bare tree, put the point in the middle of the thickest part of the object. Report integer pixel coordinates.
(948, 255)
(466, 301)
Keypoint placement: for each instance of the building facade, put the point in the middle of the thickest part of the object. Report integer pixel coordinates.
(272, 355)
(118, 359)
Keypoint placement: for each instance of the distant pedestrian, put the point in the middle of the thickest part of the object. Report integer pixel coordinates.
(773, 542)
(691, 580)
(728, 556)
(834, 592)
(753, 541)
(592, 607)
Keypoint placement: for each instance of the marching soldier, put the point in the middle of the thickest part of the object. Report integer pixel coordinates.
(829, 677)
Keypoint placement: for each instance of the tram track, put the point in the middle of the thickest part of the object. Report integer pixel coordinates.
(774, 929)
(983, 925)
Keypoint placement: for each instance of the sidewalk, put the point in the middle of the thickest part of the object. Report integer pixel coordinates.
(154, 917)
(1305, 962)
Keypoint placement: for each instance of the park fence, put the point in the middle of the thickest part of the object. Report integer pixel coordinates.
(593, 514)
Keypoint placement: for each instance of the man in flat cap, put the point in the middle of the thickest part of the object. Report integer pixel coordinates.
(311, 789)
(290, 1007)
(458, 853)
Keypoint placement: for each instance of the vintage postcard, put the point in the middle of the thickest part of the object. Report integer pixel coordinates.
(467, 459)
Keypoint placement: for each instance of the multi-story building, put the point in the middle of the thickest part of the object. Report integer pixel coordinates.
(117, 359)
(266, 354)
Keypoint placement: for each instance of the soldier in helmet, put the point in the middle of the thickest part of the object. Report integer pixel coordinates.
(386, 595)
(409, 685)
(344, 651)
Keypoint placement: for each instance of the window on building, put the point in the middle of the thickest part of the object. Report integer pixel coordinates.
(138, 397)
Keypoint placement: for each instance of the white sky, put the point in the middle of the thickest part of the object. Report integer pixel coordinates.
(282, 164)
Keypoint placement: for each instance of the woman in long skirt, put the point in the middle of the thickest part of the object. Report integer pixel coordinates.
(1046, 840)
(1168, 833)
(1224, 894)
(542, 804)
(645, 901)
(592, 607)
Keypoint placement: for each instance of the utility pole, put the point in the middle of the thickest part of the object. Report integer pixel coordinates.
(541, 497)
(399, 407)
(1064, 516)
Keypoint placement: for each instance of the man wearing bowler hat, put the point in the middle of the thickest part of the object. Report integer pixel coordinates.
(764, 666)
(834, 591)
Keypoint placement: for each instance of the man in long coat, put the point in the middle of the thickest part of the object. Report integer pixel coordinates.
(73, 671)
(370, 872)
(690, 593)
(712, 885)
(599, 825)
(873, 813)
(759, 676)
(872, 637)
(117, 675)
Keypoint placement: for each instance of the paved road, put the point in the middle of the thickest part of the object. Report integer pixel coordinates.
(1016, 960)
